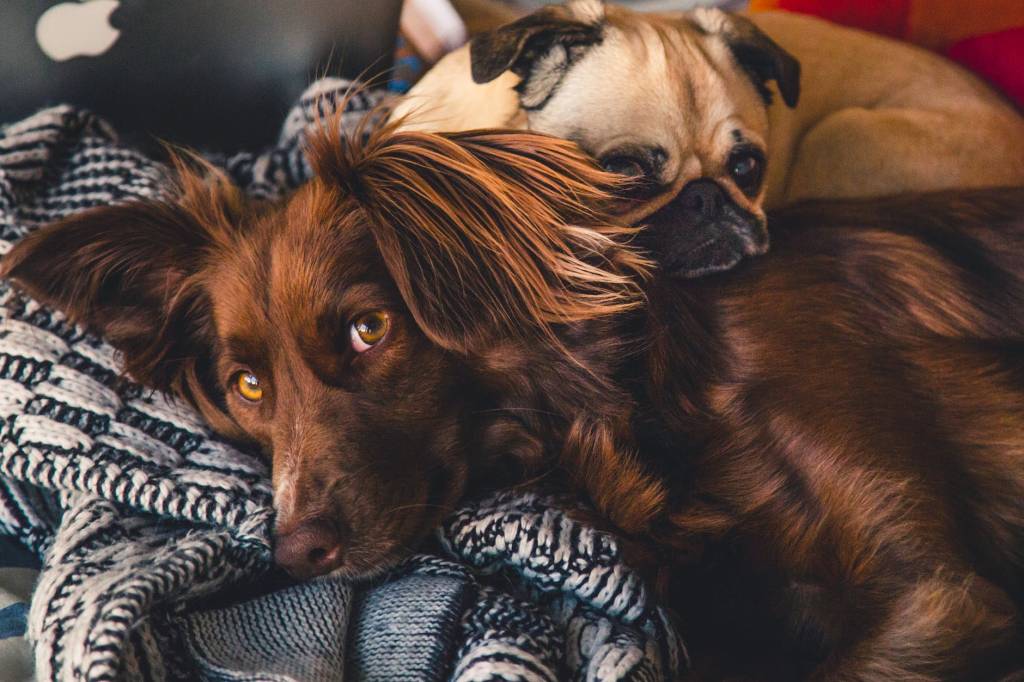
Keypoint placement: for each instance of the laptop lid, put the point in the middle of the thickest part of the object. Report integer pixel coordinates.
(216, 74)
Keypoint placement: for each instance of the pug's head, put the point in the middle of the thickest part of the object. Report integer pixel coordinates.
(677, 102)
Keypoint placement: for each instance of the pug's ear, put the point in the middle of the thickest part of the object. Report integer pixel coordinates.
(538, 48)
(757, 54)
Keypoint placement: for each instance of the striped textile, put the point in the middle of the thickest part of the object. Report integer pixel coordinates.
(155, 535)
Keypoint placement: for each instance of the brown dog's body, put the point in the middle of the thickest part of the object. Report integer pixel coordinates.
(840, 426)
(853, 414)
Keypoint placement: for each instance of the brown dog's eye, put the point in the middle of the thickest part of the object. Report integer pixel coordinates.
(369, 329)
(248, 386)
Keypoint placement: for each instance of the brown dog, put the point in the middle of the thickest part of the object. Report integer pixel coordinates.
(839, 426)
(375, 334)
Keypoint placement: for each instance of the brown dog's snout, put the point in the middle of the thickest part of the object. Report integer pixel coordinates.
(311, 549)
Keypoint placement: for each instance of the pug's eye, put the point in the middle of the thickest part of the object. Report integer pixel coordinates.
(248, 386)
(368, 330)
(627, 166)
(746, 169)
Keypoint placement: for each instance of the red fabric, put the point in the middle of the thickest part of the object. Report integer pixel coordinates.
(888, 17)
(997, 57)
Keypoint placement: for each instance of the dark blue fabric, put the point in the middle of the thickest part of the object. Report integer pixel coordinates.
(405, 629)
(12, 620)
(296, 633)
(14, 555)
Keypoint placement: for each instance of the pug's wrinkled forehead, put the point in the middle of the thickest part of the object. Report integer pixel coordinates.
(666, 98)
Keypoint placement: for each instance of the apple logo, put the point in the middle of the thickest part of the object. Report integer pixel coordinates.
(77, 29)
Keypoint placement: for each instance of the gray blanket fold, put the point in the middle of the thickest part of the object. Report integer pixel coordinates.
(155, 534)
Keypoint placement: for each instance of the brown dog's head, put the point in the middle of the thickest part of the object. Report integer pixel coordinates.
(338, 329)
(676, 101)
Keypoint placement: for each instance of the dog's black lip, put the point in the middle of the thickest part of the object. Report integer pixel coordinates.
(715, 265)
(392, 558)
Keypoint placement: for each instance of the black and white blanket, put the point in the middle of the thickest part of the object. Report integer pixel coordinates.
(154, 534)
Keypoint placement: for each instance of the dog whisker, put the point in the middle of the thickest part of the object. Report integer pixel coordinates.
(530, 410)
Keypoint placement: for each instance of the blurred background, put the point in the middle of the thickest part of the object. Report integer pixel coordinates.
(985, 36)
(221, 75)
(433, 27)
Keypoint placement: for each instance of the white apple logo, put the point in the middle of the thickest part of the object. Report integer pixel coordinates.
(77, 29)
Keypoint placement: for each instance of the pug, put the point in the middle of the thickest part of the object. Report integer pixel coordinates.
(719, 116)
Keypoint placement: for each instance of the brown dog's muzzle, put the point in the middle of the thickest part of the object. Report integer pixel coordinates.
(313, 548)
(703, 231)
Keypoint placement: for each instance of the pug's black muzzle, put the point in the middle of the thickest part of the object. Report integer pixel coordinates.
(703, 231)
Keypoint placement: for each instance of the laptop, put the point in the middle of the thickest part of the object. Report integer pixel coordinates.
(219, 75)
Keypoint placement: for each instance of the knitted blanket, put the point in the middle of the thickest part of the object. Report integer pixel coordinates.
(155, 534)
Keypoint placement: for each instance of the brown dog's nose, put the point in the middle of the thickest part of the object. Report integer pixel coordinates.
(312, 549)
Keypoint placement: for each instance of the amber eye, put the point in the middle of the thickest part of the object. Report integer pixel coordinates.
(368, 330)
(249, 387)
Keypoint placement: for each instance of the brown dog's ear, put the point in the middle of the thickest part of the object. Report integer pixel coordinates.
(757, 54)
(487, 234)
(538, 48)
(125, 271)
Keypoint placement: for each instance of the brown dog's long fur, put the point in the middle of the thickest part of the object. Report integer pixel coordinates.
(845, 427)
(834, 434)
(455, 190)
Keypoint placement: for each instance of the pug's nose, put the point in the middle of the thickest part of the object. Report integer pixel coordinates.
(313, 548)
(703, 199)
